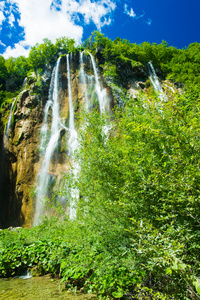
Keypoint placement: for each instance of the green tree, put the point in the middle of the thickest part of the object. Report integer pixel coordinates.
(3, 72)
(17, 69)
(139, 190)
(185, 66)
(65, 45)
(42, 54)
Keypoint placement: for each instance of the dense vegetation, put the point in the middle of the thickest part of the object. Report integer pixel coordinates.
(181, 66)
(136, 235)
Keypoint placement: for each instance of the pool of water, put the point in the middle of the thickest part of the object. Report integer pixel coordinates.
(37, 288)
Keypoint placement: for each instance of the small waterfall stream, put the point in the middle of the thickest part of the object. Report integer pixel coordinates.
(48, 145)
(83, 79)
(10, 118)
(101, 93)
(155, 82)
(71, 109)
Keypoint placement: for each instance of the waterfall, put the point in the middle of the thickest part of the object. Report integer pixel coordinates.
(50, 134)
(48, 145)
(155, 82)
(10, 118)
(72, 143)
(83, 79)
(101, 93)
(71, 110)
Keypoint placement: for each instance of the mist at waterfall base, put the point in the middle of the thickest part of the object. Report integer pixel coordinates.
(92, 88)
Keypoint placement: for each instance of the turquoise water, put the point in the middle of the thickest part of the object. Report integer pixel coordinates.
(37, 288)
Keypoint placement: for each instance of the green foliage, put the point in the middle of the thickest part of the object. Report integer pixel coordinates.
(119, 59)
(39, 248)
(175, 64)
(47, 53)
(185, 66)
(42, 54)
(110, 71)
(65, 45)
(139, 192)
(3, 73)
(17, 69)
(137, 227)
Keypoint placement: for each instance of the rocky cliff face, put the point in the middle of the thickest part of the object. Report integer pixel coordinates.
(20, 158)
(19, 150)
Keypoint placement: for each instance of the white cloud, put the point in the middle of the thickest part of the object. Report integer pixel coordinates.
(11, 20)
(2, 17)
(2, 4)
(18, 50)
(2, 44)
(130, 12)
(52, 19)
(149, 21)
(96, 12)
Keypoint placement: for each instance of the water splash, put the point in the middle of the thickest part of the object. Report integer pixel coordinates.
(48, 145)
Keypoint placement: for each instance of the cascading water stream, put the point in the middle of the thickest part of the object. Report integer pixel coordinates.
(10, 118)
(83, 79)
(72, 143)
(155, 82)
(48, 145)
(101, 93)
(50, 136)
(71, 110)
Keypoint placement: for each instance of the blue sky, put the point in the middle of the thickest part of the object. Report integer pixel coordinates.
(23, 23)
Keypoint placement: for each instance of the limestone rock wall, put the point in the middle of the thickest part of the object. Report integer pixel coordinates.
(20, 159)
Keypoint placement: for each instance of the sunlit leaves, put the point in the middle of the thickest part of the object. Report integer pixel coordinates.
(146, 172)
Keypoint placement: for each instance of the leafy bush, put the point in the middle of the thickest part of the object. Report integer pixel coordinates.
(24, 249)
(140, 189)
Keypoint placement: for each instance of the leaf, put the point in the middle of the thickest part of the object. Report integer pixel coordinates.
(197, 285)
(118, 294)
(168, 271)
